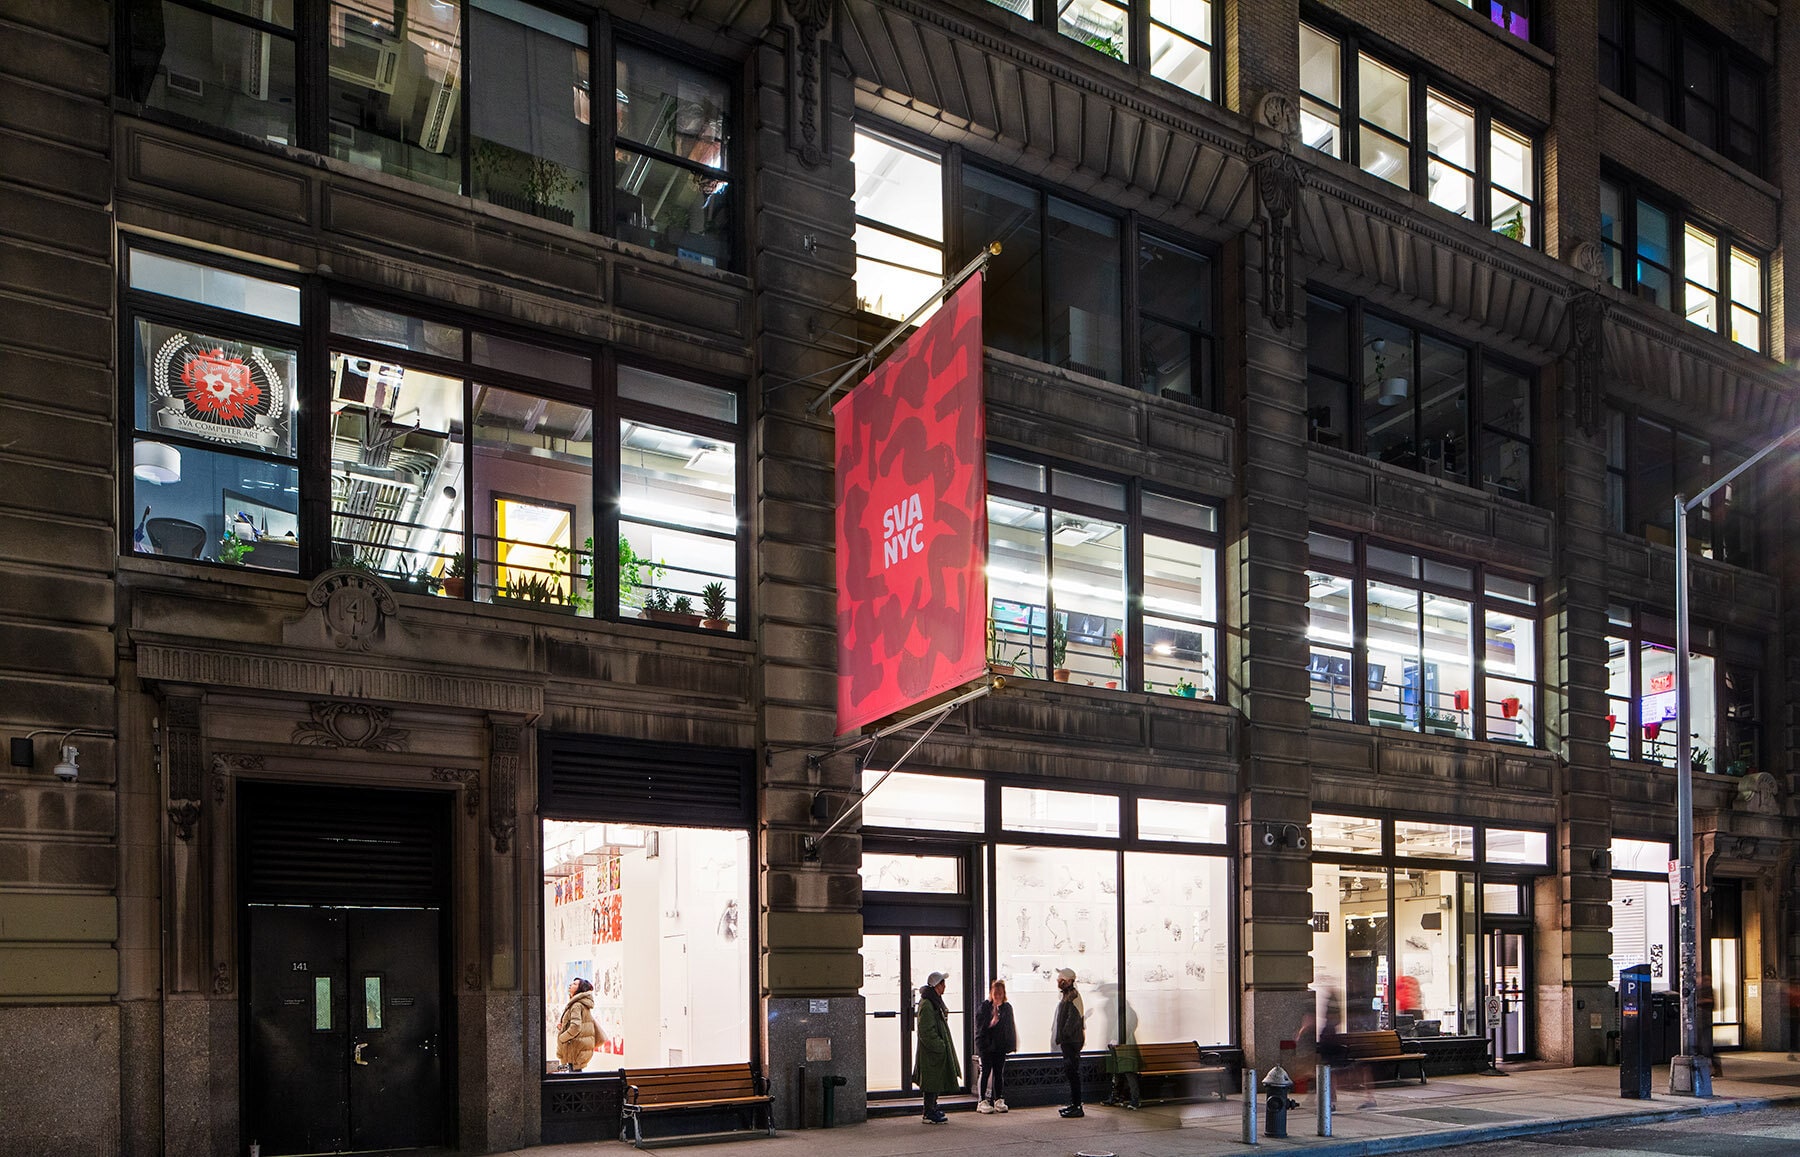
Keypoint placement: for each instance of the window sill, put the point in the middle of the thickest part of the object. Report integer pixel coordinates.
(1376, 731)
(1717, 160)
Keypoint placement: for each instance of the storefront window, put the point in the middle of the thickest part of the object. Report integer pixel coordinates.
(1025, 809)
(1434, 841)
(1514, 847)
(655, 919)
(925, 802)
(1346, 835)
(932, 875)
(1178, 820)
(1057, 908)
(1177, 948)
(1352, 967)
(1641, 929)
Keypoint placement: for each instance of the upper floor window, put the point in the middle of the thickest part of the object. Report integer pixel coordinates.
(1415, 134)
(1401, 640)
(1404, 396)
(1101, 582)
(1724, 693)
(1649, 461)
(1653, 248)
(1172, 40)
(1512, 16)
(493, 98)
(1059, 289)
(458, 461)
(1676, 68)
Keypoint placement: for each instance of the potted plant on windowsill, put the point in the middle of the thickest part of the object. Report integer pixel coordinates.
(1059, 649)
(1185, 689)
(712, 603)
(1000, 659)
(456, 576)
(661, 608)
(538, 591)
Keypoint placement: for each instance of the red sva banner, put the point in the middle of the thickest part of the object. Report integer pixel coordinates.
(912, 520)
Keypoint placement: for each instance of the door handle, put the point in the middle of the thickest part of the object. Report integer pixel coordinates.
(358, 1057)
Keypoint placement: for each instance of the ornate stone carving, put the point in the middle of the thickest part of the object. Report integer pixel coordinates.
(506, 753)
(224, 767)
(209, 666)
(808, 106)
(1587, 315)
(185, 768)
(470, 779)
(471, 976)
(358, 725)
(1756, 794)
(1587, 257)
(221, 979)
(355, 606)
(1280, 112)
(1278, 181)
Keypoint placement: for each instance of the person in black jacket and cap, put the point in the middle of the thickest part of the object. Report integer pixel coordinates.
(1068, 1032)
(995, 1036)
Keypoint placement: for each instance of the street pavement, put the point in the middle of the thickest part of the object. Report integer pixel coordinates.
(1454, 1111)
(1757, 1133)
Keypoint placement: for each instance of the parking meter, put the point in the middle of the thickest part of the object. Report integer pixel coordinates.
(1634, 1032)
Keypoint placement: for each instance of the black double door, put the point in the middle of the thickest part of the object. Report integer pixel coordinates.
(345, 1039)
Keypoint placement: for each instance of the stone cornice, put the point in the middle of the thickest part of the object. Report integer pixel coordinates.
(213, 666)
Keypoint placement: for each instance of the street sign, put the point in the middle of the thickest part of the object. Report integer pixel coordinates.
(1492, 1011)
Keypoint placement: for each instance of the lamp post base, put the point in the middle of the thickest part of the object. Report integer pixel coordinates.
(1690, 1076)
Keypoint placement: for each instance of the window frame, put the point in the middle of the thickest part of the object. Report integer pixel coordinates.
(1136, 525)
(1422, 82)
(310, 38)
(1642, 628)
(1727, 529)
(1478, 357)
(315, 343)
(1685, 32)
(1137, 46)
(1358, 574)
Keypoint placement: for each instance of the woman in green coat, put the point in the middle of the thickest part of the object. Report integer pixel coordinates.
(935, 1066)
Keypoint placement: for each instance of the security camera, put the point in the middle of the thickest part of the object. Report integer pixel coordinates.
(1302, 843)
(66, 770)
(1268, 837)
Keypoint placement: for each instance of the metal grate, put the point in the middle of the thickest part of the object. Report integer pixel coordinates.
(591, 777)
(327, 845)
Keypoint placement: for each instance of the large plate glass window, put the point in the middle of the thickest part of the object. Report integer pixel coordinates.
(672, 185)
(530, 111)
(228, 66)
(394, 96)
(899, 226)
(214, 361)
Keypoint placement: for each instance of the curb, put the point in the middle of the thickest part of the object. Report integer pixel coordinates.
(1375, 1146)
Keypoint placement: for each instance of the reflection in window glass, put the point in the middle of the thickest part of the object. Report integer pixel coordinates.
(534, 472)
(1641, 928)
(1517, 847)
(888, 872)
(194, 512)
(996, 209)
(678, 507)
(925, 802)
(1069, 813)
(214, 70)
(1177, 945)
(1174, 310)
(396, 329)
(681, 211)
(1053, 905)
(1181, 820)
(1434, 841)
(671, 979)
(397, 466)
(643, 385)
(371, 1002)
(529, 111)
(1082, 279)
(394, 100)
(322, 1011)
(670, 179)
(899, 226)
(219, 288)
(1096, 23)
(1346, 835)
(517, 357)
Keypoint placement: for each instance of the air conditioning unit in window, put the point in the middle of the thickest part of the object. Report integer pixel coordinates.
(253, 67)
(365, 52)
(437, 131)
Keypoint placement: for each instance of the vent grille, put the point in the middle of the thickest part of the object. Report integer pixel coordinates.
(329, 845)
(590, 777)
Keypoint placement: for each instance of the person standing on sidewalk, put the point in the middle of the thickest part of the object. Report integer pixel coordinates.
(995, 1036)
(935, 1065)
(1068, 1032)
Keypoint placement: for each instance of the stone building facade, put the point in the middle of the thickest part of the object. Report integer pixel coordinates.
(439, 328)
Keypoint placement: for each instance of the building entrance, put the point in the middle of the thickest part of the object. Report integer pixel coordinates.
(894, 966)
(345, 1029)
(346, 1017)
(1508, 992)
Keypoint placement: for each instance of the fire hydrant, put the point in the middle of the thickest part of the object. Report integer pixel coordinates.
(1278, 1085)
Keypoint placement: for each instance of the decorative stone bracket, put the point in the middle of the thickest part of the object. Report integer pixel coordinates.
(1587, 313)
(1279, 178)
(506, 759)
(809, 113)
(184, 768)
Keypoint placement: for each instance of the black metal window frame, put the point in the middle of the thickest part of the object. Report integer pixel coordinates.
(1137, 525)
(984, 847)
(315, 343)
(1134, 231)
(310, 38)
(1622, 253)
(1672, 86)
(1725, 529)
(1478, 432)
(1358, 573)
(1478, 860)
(1136, 51)
(1424, 82)
(1737, 723)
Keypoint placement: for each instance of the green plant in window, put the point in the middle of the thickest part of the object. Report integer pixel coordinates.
(579, 570)
(1184, 688)
(457, 567)
(234, 550)
(1004, 656)
(712, 602)
(1701, 755)
(1512, 225)
(536, 589)
(682, 605)
(635, 572)
(1059, 642)
(1106, 44)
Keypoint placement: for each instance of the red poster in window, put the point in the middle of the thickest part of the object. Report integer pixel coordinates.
(911, 520)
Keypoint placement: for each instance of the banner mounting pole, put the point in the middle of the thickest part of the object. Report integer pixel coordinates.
(937, 715)
(862, 364)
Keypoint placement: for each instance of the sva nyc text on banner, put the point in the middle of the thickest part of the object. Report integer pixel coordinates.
(911, 520)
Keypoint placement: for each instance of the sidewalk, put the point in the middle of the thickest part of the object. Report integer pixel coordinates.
(1449, 1111)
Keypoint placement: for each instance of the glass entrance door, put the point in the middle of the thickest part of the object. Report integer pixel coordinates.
(1507, 992)
(894, 966)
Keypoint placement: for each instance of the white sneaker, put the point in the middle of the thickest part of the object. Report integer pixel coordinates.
(985, 1107)
(999, 1105)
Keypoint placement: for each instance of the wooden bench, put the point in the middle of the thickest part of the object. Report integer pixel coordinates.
(1182, 1061)
(717, 1089)
(1369, 1050)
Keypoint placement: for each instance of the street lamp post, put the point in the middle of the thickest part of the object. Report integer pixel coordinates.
(1690, 1074)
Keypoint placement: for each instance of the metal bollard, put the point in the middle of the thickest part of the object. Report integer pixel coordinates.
(1250, 1137)
(1322, 1089)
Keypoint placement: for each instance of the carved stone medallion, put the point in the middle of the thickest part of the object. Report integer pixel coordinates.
(355, 606)
(358, 725)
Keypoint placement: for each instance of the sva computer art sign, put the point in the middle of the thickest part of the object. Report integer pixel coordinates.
(911, 520)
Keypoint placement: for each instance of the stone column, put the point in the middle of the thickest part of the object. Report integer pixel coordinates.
(803, 263)
(1571, 193)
